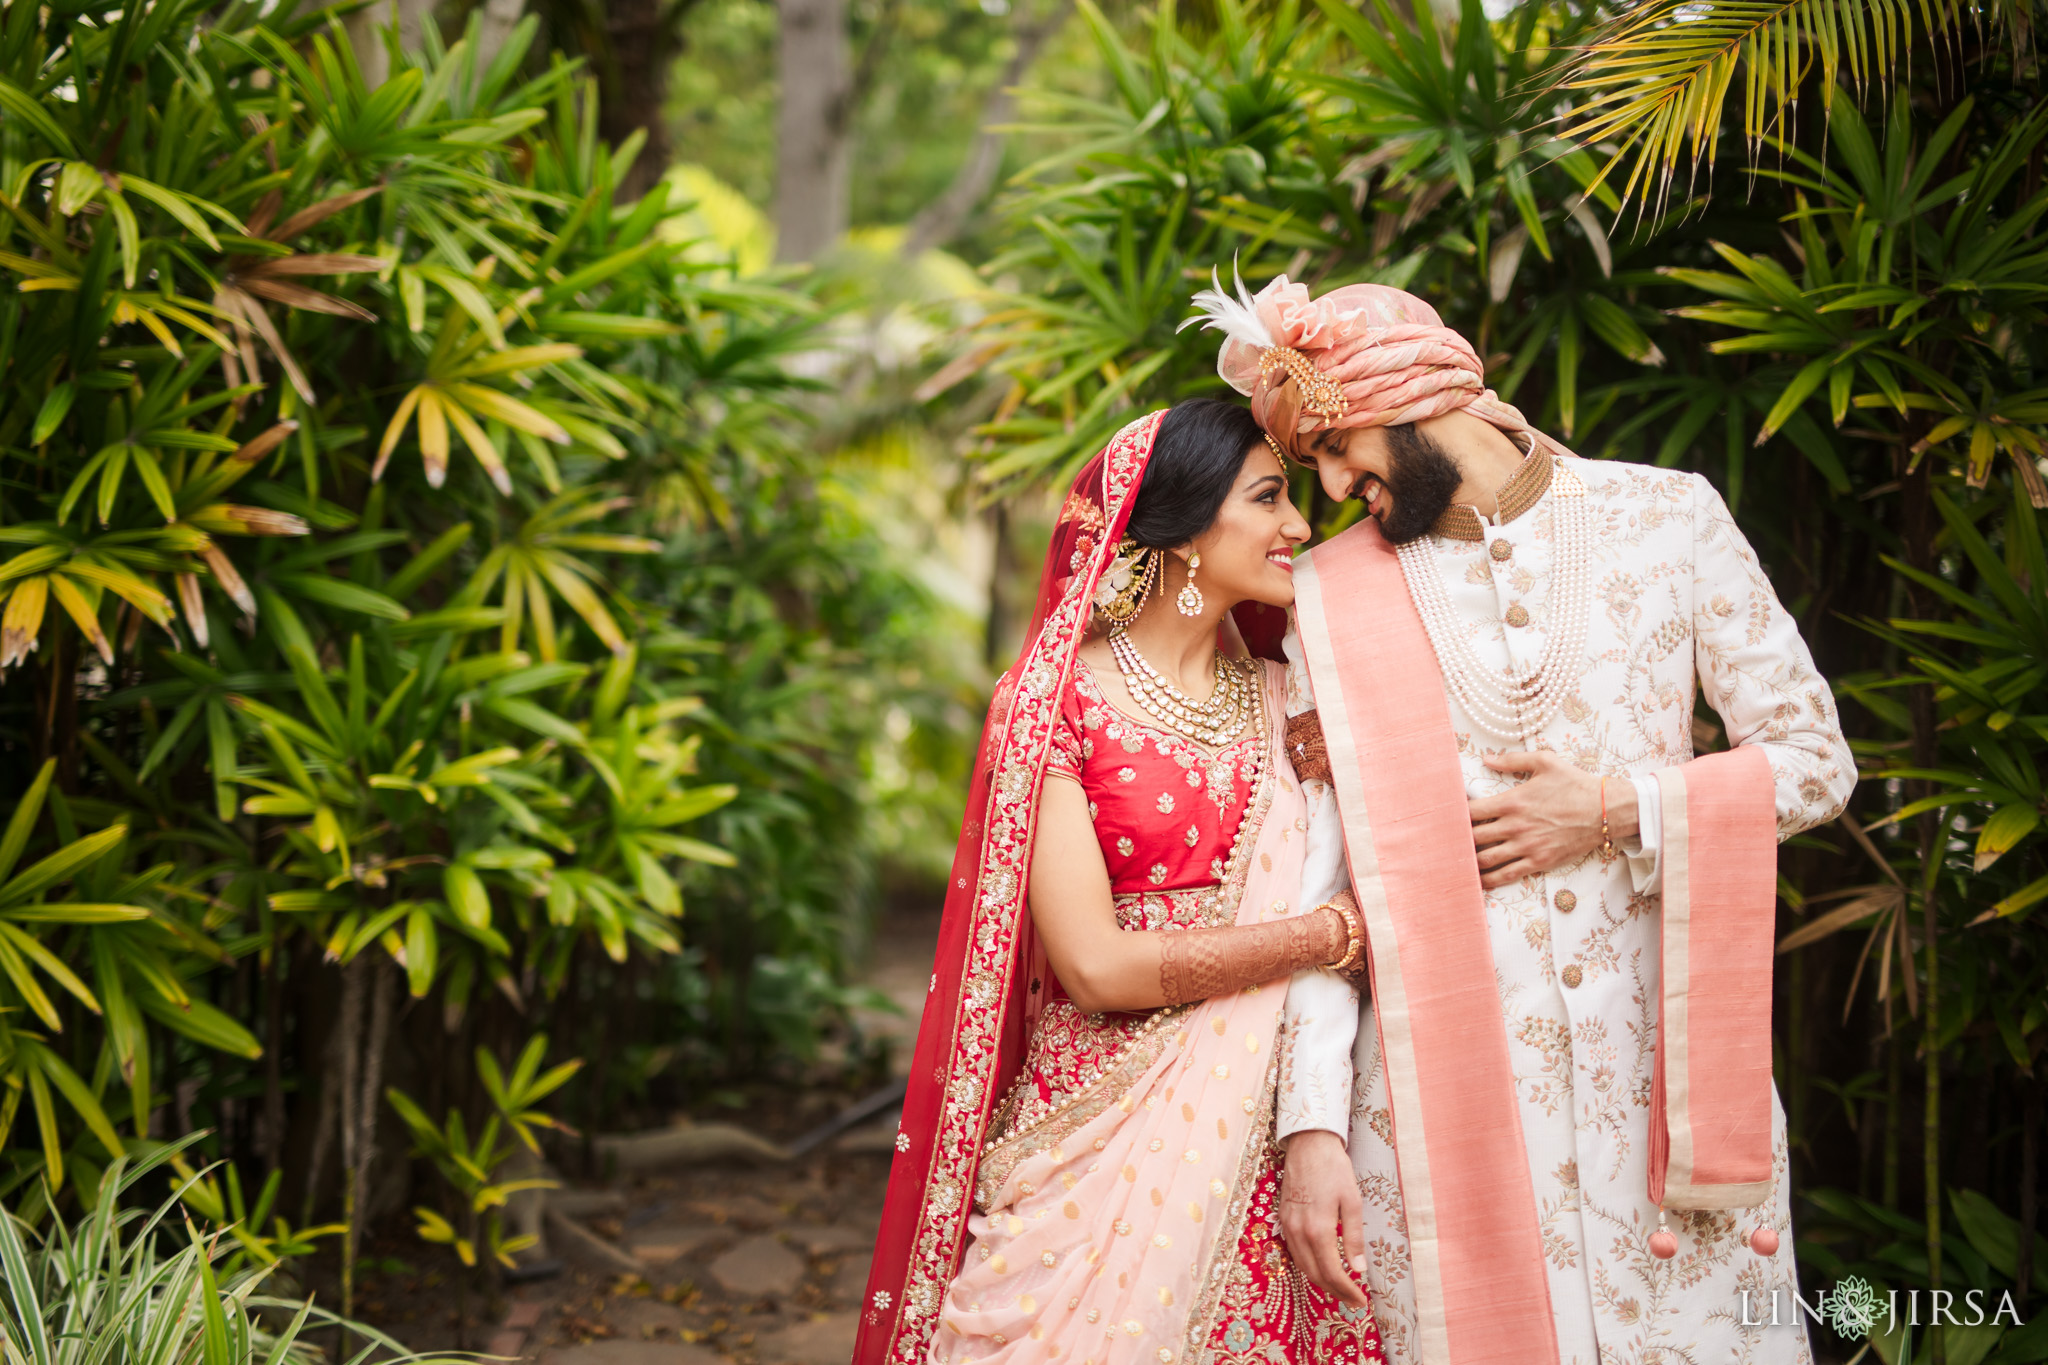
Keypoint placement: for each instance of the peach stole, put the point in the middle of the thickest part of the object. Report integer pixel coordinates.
(1710, 1096)
(1480, 1278)
(1482, 1294)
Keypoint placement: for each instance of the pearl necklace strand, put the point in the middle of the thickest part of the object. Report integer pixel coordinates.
(1216, 721)
(1503, 701)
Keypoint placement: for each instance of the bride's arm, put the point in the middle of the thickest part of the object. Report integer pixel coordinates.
(1105, 967)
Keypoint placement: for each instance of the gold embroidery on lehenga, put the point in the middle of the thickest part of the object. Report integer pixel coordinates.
(1039, 1126)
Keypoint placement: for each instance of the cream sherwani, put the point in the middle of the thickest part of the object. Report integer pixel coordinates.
(1679, 603)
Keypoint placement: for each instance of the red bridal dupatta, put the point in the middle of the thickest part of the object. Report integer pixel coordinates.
(1481, 1291)
(1108, 1222)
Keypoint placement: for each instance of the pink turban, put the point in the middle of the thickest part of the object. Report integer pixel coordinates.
(1365, 355)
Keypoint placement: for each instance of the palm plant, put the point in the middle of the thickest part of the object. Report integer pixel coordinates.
(1661, 73)
(1901, 276)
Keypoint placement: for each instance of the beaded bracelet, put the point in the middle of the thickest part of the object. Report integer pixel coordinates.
(1606, 838)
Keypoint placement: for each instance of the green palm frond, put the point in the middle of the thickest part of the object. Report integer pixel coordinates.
(1664, 70)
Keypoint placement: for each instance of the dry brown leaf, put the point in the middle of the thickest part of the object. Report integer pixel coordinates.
(312, 263)
(1873, 898)
(310, 300)
(326, 208)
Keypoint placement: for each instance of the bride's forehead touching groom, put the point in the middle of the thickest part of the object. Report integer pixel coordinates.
(1547, 1129)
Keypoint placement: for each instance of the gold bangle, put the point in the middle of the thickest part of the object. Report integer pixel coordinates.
(1354, 932)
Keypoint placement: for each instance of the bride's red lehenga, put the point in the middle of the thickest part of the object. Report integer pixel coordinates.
(1101, 1188)
(1168, 815)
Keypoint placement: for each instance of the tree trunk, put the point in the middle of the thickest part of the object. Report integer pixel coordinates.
(633, 87)
(1917, 530)
(369, 1104)
(940, 221)
(2030, 1164)
(349, 1057)
(998, 628)
(365, 30)
(812, 143)
(497, 19)
(1894, 1104)
(271, 1136)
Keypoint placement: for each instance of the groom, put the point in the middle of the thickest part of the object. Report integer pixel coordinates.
(1550, 1135)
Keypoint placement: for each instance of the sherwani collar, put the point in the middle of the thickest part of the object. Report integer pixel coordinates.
(1522, 491)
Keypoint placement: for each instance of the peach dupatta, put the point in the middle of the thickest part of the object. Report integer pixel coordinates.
(1109, 1226)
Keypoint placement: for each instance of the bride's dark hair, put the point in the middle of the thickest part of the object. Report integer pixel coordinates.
(1196, 457)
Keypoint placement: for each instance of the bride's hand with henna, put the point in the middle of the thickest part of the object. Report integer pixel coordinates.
(1348, 960)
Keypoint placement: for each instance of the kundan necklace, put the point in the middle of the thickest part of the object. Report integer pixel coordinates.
(1506, 702)
(1215, 721)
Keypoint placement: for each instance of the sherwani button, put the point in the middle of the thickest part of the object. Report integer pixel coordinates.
(1501, 550)
(1518, 615)
(1573, 975)
(1566, 902)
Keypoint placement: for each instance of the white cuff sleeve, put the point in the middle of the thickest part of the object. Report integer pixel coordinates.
(1645, 862)
(1319, 1030)
(1321, 1015)
(1301, 697)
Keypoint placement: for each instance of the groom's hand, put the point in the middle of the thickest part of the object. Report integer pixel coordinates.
(1318, 1192)
(1547, 821)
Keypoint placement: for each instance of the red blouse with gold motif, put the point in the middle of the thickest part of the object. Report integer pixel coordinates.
(1167, 814)
(1166, 811)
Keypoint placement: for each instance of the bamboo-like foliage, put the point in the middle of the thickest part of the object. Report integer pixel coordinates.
(1335, 145)
(322, 413)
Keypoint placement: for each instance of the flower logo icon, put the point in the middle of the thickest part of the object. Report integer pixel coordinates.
(1855, 1308)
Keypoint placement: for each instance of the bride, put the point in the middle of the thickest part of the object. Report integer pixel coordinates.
(1085, 1170)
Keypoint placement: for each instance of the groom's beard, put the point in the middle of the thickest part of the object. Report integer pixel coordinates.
(1422, 478)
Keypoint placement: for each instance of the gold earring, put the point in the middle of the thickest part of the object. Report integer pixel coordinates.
(1189, 600)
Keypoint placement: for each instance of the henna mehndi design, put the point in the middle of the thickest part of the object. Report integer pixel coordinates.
(1199, 964)
(1306, 748)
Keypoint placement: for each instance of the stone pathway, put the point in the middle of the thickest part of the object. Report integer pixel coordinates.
(736, 1265)
(712, 1263)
